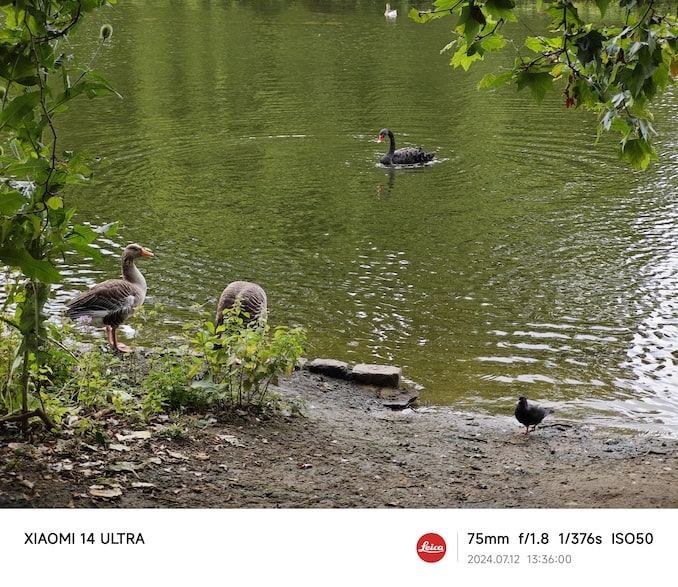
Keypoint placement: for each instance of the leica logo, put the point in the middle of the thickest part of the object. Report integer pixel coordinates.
(431, 547)
(426, 547)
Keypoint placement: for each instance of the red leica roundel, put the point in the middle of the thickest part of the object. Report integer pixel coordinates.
(431, 547)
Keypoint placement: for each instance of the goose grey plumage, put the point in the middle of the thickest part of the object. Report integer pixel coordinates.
(111, 302)
(530, 415)
(405, 155)
(252, 298)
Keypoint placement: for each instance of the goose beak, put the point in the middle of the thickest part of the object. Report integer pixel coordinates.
(146, 252)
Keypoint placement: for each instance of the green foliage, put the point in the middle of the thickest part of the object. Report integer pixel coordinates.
(97, 381)
(46, 370)
(167, 387)
(9, 346)
(38, 79)
(228, 368)
(615, 70)
(173, 431)
(242, 361)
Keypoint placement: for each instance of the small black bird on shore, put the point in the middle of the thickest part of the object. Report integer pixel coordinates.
(530, 415)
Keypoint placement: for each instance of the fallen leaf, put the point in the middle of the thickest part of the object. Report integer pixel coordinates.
(118, 447)
(99, 491)
(89, 464)
(123, 466)
(142, 484)
(59, 467)
(177, 455)
(134, 434)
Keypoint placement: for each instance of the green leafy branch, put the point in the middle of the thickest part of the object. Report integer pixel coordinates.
(615, 70)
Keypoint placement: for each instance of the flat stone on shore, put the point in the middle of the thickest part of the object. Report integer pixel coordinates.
(330, 367)
(379, 375)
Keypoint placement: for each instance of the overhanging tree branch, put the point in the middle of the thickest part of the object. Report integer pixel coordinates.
(616, 66)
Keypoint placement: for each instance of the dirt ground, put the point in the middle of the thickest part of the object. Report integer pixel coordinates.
(344, 451)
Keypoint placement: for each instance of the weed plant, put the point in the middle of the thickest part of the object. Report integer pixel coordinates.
(241, 360)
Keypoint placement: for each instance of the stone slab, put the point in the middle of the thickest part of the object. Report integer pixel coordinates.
(329, 367)
(379, 375)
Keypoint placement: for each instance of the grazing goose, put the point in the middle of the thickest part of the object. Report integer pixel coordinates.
(404, 156)
(111, 302)
(252, 298)
(388, 13)
(529, 415)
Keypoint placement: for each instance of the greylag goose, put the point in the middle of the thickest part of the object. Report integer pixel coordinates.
(111, 302)
(388, 13)
(404, 156)
(530, 415)
(252, 299)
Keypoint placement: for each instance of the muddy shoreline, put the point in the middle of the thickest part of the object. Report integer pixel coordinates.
(345, 450)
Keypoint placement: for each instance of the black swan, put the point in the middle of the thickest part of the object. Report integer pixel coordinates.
(529, 415)
(111, 302)
(252, 299)
(404, 156)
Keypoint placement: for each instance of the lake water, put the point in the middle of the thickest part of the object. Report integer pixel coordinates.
(525, 261)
